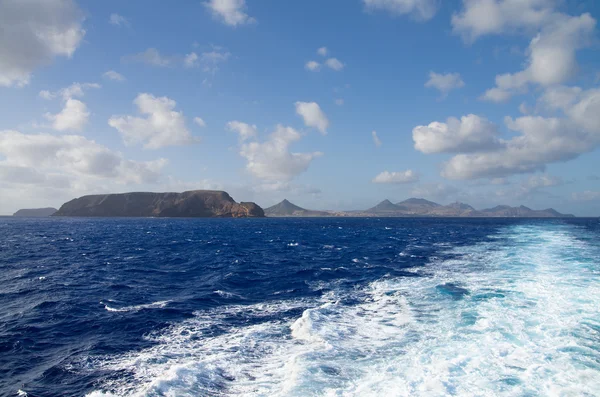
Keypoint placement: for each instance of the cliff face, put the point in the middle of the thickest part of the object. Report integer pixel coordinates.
(193, 204)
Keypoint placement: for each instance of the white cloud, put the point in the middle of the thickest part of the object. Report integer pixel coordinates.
(272, 160)
(200, 122)
(151, 57)
(524, 109)
(34, 32)
(190, 60)
(313, 116)
(230, 12)
(339, 102)
(323, 51)
(419, 9)
(408, 176)
(470, 133)
(444, 82)
(376, 139)
(114, 76)
(541, 141)
(45, 94)
(73, 117)
(211, 60)
(33, 158)
(484, 17)
(162, 126)
(551, 57)
(118, 20)
(245, 131)
(75, 114)
(76, 90)
(313, 66)
(334, 64)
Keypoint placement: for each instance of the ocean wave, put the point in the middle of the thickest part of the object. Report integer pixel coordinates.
(134, 308)
(492, 320)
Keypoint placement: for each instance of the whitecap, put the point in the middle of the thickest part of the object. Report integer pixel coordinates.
(519, 330)
(154, 305)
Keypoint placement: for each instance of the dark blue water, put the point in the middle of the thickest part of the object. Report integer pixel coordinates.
(166, 307)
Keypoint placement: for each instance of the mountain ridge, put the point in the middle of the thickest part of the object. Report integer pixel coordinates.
(417, 207)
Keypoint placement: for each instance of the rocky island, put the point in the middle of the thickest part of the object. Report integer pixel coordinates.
(192, 204)
(417, 207)
(35, 212)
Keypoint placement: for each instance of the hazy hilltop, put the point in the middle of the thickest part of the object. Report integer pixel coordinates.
(193, 204)
(286, 208)
(35, 212)
(422, 207)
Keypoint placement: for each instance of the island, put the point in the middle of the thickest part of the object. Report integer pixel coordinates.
(417, 207)
(192, 204)
(35, 212)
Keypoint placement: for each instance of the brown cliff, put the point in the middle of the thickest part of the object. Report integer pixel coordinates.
(192, 204)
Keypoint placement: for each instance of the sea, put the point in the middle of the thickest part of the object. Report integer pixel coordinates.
(299, 307)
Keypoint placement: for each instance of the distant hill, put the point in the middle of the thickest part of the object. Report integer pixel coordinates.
(35, 212)
(192, 204)
(422, 207)
(417, 205)
(524, 212)
(286, 208)
(385, 207)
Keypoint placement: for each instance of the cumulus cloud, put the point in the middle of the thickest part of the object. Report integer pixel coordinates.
(114, 76)
(323, 51)
(470, 133)
(272, 160)
(484, 17)
(210, 60)
(200, 122)
(75, 114)
(33, 158)
(245, 131)
(376, 139)
(540, 141)
(581, 106)
(73, 117)
(444, 83)
(162, 126)
(34, 32)
(313, 116)
(339, 102)
(419, 9)
(190, 60)
(313, 66)
(118, 20)
(230, 12)
(551, 56)
(408, 176)
(334, 64)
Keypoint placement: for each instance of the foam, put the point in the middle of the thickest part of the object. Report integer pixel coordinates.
(153, 305)
(514, 316)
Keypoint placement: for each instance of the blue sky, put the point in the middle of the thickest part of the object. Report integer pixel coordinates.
(103, 97)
